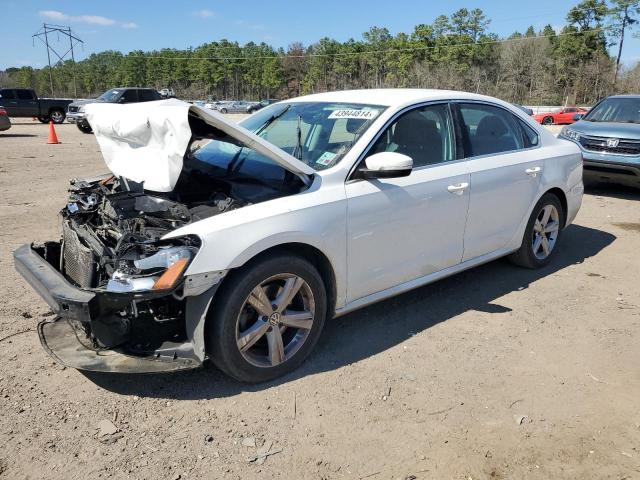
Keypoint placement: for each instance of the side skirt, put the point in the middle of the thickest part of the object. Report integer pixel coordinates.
(422, 281)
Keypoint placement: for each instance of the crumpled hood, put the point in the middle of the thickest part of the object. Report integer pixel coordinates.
(146, 142)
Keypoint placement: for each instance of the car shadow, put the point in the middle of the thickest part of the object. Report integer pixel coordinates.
(17, 135)
(376, 328)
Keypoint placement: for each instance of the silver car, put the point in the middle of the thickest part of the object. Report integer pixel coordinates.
(235, 107)
(609, 137)
(5, 122)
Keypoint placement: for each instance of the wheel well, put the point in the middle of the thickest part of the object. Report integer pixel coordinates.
(563, 201)
(317, 258)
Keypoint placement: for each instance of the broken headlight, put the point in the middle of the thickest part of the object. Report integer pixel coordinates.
(160, 271)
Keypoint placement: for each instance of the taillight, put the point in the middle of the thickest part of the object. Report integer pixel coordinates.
(3, 113)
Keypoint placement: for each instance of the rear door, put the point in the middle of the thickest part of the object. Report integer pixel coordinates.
(147, 95)
(27, 103)
(505, 163)
(129, 96)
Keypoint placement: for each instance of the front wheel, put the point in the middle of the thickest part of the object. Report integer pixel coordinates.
(547, 121)
(43, 119)
(57, 116)
(84, 128)
(223, 110)
(542, 233)
(267, 318)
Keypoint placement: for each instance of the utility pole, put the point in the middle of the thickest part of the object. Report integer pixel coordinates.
(43, 36)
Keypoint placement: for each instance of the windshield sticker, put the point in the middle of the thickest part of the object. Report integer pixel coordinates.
(359, 114)
(326, 158)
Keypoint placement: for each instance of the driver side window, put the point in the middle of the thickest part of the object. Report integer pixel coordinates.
(425, 134)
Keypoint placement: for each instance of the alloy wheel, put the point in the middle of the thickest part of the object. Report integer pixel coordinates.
(275, 320)
(545, 232)
(57, 116)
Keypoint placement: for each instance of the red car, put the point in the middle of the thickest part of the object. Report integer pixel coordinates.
(563, 116)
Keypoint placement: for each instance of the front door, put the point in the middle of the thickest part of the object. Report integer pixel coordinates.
(401, 229)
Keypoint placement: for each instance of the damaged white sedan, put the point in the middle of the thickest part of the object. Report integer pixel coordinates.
(212, 240)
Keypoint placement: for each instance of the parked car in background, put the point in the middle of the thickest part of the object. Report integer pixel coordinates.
(261, 104)
(5, 121)
(526, 110)
(234, 107)
(216, 104)
(23, 102)
(564, 116)
(609, 137)
(76, 112)
(167, 93)
(236, 242)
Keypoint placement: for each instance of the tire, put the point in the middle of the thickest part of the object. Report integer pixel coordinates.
(57, 116)
(223, 110)
(84, 129)
(532, 253)
(547, 121)
(233, 319)
(43, 119)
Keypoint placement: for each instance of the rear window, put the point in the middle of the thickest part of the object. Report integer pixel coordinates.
(25, 94)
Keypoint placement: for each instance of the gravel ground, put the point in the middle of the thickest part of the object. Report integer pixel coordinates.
(495, 373)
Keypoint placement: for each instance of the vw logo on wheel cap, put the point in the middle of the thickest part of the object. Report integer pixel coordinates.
(613, 142)
(274, 319)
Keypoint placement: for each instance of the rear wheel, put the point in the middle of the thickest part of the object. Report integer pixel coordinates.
(223, 110)
(542, 233)
(57, 116)
(43, 119)
(267, 318)
(547, 121)
(84, 128)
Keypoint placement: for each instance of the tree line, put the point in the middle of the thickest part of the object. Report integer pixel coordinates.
(457, 52)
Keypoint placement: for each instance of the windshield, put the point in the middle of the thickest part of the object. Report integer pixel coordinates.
(109, 96)
(620, 110)
(317, 133)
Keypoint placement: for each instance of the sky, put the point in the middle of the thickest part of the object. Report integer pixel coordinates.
(142, 25)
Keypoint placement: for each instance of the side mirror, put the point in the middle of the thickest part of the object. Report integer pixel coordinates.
(386, 165)
(121, 100)
(578, 116)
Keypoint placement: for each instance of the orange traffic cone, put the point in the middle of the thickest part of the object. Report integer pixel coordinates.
(53, 138)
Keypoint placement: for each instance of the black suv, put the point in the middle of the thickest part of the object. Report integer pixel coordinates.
(75, 112)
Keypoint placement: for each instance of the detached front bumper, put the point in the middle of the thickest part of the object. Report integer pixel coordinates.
(78, 311)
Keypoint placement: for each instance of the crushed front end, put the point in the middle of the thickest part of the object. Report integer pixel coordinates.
(121, 299)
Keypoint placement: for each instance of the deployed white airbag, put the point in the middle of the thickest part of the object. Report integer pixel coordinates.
(146, 142)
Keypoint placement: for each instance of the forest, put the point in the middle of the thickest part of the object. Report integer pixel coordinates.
(552, 66)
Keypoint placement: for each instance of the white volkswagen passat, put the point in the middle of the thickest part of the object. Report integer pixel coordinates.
(235, 243)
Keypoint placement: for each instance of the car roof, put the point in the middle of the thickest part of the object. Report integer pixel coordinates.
(390, 96)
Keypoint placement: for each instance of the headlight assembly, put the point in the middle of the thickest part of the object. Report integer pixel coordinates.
(567, 132)
(160, 271)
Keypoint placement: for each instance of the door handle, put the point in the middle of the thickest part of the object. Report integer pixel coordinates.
(533, 171)
(458, 189)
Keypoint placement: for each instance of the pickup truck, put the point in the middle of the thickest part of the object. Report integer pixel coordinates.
(75, 111)
(23, 102)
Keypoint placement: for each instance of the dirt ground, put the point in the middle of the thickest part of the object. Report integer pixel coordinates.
(496, 373)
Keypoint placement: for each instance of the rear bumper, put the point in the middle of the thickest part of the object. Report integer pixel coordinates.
(79, 312)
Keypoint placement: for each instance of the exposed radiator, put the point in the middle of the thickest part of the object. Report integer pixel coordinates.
(78, 262)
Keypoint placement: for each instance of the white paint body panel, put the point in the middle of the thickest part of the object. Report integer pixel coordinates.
(383, 237)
